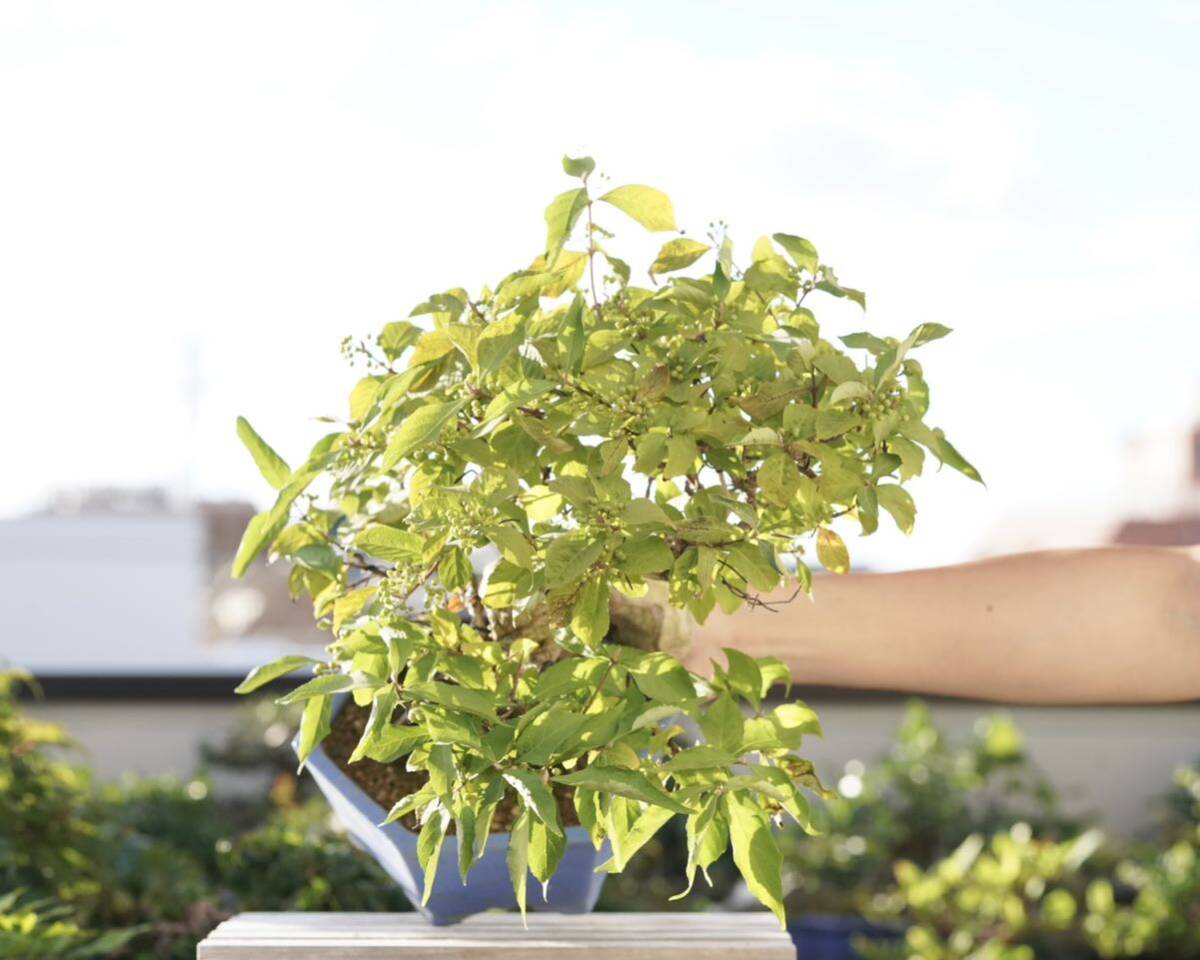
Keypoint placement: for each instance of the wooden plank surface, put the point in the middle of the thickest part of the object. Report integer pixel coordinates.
(497, 936)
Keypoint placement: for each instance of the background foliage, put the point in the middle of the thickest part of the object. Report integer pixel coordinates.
(145, 868)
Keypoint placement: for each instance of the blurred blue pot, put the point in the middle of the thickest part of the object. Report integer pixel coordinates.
(574, 888)
(820, 936)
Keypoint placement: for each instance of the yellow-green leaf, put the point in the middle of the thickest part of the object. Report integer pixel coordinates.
(589, 618)
(899, 503)
(518, 858)
(677, 254)
(832, 552)
(418, 429)
(755, 853)
(561, 216)
(270, 464)
(390, 544)
(260, 676)
(649, 207)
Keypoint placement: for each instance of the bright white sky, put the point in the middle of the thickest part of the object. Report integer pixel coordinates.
(200, 200)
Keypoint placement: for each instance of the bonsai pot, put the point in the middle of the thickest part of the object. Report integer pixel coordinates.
(826, 936)
(574, 888)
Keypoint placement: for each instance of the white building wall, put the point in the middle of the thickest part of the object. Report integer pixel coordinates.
(103, 593)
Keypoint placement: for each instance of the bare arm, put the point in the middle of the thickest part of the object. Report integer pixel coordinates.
(1111, 625)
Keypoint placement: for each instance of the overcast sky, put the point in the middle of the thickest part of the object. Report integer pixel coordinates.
(198, 201)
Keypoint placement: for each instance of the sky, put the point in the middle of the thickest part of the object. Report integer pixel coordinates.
(199, 201)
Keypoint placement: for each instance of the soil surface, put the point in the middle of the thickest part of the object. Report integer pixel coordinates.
(388, 783)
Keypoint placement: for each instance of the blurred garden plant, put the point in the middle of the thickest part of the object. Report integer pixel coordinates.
(1014, 897)
(142, 870)
(694, 434)
(917, 803)
(1151, 906)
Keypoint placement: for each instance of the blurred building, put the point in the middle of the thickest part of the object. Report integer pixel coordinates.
(1167, 464)
(1159, 504)
(110, 584)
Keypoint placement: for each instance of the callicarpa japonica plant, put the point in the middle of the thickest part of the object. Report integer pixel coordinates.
(632, 456)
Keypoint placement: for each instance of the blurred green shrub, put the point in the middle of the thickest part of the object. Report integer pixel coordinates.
(1015, 897)
(1151, 907)
(918, 803)
(154, 863)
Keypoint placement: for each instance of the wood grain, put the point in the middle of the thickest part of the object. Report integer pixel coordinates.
(497, 936)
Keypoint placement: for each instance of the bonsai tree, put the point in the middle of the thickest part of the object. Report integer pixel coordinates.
(684, 437)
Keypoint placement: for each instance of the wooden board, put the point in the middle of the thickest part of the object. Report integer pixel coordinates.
(498, 936)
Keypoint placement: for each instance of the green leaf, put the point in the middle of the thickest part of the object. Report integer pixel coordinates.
(649, 207)
(645, 555)
(456, 698)
(927, 332)
(362, 397)
(498, 341)
(464, 829)
(661, 677)
(755, 853)
(397, 337)
(707, 838)
(390, 544)
(429, 848)
(849, 390)
(270, 464)
(561, 217)
(703, 757)
(393, 742)
(420, 427)
(546, 734)
(833, 423)
(722, 724)
(794, 720)
(569, 675)
(569, 557)
(260, 531)
(265, 527)
(912, 457)
(325, 684)
(867, 502)
(382, 705)
(537, 797)
(832, 552)
(779, 478)
(638, 512)
(632, 784)
(260, 676)
(315, 723)
(578, 166)
(589, 617)
(899, 503)
(347, 607)
(744, 674)
(507, 583)
(518, 858)
(803, 253)
(947, 453)
(546, 848)
(455, 569)
(677, 254)
(648, 823)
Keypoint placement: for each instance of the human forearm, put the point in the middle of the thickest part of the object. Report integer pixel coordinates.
(1110, 625)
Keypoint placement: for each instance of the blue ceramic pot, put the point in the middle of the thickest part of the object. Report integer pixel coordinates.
(574, 888)
(819, 936)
